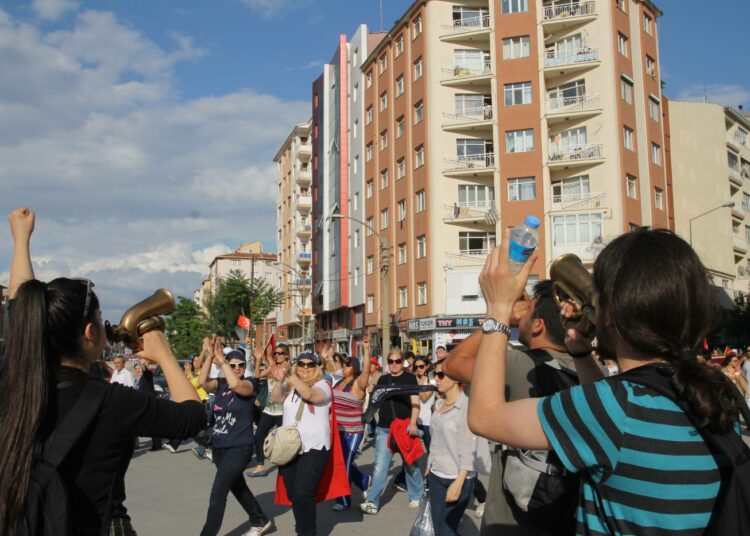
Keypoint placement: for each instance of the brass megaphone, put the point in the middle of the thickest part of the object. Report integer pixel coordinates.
(572, 281)
(141, 318)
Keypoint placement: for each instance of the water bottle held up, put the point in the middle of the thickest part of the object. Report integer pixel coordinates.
(523, 241)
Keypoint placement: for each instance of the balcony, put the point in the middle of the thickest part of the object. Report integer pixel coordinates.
(472, 29)
(583, 201)
(581, 106)
(471, 211)
(468, 120)
(739, 243)
(304, 203)
(474, 75)
(587, 252)
(304, 151)
(567, 156)
(304, 230)
(304, 178)
(302, 283)
(556, 17)
(566, 61)
(470, 257)
(738, 213)
(474, 165)
(304, 258)
(735, 177)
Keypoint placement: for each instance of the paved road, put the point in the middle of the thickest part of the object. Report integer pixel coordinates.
(167, 495)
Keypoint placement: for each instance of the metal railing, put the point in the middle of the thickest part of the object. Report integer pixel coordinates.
(567, 153)
(554, 57)
(304, 256)
(465, 71)
(469, 115)
(735, 173)
(571, 9)
(467, 209)
(303, 282)
(579, 103)
(472, 257)
(469, 24)
(470, 162)
(582, 201)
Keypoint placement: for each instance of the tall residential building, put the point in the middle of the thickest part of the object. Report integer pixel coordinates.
(710, 156)
(477, 114)
(294, 229)
(338, 182)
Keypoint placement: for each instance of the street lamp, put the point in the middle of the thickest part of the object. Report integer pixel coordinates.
(727, 204)
(302, 296)
(385, 296)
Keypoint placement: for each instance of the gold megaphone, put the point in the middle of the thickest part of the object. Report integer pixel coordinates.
(572, 281)
(141, 318)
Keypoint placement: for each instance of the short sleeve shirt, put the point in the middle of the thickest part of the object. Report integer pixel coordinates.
(395, 407)
(233, 414)
(314, 426)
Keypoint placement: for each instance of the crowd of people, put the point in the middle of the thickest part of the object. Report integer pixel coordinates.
(609, 432)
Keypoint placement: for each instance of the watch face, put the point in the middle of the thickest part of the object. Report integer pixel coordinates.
(489, 325)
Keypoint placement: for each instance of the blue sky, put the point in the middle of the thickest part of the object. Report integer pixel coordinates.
(142, 131)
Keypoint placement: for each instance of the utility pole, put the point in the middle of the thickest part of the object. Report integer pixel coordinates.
(252, 281)
(385, 296)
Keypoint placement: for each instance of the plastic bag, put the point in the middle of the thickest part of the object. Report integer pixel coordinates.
(423, 524)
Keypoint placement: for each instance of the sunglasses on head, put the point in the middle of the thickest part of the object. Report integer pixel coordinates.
(236, 365)
(440, 375)
(306, 364)
(87, 304)
(395, 361)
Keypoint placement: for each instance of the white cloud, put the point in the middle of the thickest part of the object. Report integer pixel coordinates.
(275, 9)
(53, 9)
(725, 94)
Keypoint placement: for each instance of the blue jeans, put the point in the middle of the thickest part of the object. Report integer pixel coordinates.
(350, 446)
(447, 517)
(383, 455)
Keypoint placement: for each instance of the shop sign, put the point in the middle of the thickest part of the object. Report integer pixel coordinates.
(461, 322)
(421, 324)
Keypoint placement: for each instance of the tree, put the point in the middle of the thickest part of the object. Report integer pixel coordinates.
(186, 328)
(736, 322)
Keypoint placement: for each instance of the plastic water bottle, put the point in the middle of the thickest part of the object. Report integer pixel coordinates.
(523, 242)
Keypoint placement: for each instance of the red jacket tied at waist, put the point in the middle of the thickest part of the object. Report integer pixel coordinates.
(409, 447)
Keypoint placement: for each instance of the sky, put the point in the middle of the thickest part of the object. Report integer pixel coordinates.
(142, 133)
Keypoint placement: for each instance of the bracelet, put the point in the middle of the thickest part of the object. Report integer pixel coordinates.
(580, 355)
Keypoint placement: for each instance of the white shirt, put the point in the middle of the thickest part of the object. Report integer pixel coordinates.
(314, 426)
(123, 377)
(425, 408)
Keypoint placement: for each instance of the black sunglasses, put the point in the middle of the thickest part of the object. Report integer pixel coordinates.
(281, 353)
(86, 304)
(440, 375)
(347, 362)
(420, 366)
(395, 361)
(236, 365)
(306, 364)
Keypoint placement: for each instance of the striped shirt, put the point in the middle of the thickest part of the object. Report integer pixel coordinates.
(648, 470)
(348, 410)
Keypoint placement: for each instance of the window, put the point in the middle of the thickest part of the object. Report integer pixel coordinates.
(356, 238)
(355, 165)
(383, 101)
(515, 6)
(416, 27)
(659, 198)
(400, 45)
(622, 44)
(401, 209)
(401, 168)
(476, 195)
(650, 66)
(627, 135)
(518, 93)
(648, 24)
(370, 226)
(355, 92)
(656, 154)
(654, 109)
(384, 140)
(421, 246)
(418, 68)
(369, 189)
(475, 243)
(422, 293)
(570, 189)
(418, 112)
(382, 63)
(368, 117)
(399, 86)
(626, 90)
(471, 61)
(370, 264)
(519, 141)
(402, 294)
(368, 78)
(521, 189)
(419, 157)
(576, 229)
(631, 186)
(400, 126)
(355, 281)
(355, 202)
(420, 200)
(402, 253)
(515, 48)
(370, 303)
(384, 179)
(355, 129)
(746, 202)
(621, 4)
(384, 219)
(368, 151)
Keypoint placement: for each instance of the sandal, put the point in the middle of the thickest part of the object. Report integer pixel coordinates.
(368, 508)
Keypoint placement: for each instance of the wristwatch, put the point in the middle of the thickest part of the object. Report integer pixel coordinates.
(491, 325)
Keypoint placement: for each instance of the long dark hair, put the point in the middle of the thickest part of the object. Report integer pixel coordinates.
(46, 322)
(656, 290)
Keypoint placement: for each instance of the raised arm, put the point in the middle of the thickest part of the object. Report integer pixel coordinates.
(360, 386)
(204, 381)
(22, 222)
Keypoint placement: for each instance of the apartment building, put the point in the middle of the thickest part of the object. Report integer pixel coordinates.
(338, 170)
(710, 157)
(293, 233)
(478, 113)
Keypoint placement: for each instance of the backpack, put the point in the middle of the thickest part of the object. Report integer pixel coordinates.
(731, 514)
(47, 505)
(536, 479)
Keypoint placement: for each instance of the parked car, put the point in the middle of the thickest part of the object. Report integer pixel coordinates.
(160, 381)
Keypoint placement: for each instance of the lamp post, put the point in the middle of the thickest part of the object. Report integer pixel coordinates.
(727, 204)
(385, 296)
(302, 296)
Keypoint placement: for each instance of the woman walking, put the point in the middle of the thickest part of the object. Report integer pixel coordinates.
(231, 440)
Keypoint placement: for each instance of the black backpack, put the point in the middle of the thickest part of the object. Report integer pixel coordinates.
(47, 506)
(731, 514)
(536, 480)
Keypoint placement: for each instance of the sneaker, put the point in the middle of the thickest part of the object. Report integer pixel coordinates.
(368, 508)
(209, 455)
(367, 489)
(398, 487)
(413, 504)
(169, 447)
(259, 531)
(200, 455)
(339, 507)
(479, 510)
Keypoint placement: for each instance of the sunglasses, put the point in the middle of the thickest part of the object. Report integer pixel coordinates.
(306, 364)
(420, 366)
(395, 361)
(280, 353)
(347, 362)
(236, 365)
(440, 375)
(87, 304)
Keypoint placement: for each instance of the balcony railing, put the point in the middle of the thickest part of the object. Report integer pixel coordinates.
(468, 257)
(304, 201)
(304, 257)
(735, 174)
(579, 103)
(471, 210)
(470, 24)
(304, 228)
(469, 115)
(303, 282)
(740, 242)
(581, 201)
(567, 153)
(304, 176)
(738, 138)
(554, 57)
(466, 71)
(572, 9)
(472, 162)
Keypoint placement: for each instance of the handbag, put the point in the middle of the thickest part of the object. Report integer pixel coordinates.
(423, 523)
(284, 443)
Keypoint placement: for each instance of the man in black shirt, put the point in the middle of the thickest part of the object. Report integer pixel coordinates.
(396, 407)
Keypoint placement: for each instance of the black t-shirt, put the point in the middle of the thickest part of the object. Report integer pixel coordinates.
(234, 418)
(104, 451)
(395, 407)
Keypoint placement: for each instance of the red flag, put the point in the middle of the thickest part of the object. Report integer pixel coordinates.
(272, 343)
(243, 322)
(727, 350)
(705, 343)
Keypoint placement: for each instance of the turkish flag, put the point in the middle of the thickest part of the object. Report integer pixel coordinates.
(271, 343)
(243, 322)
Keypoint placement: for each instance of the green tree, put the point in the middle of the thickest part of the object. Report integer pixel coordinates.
(186, 328)
(736, 322)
